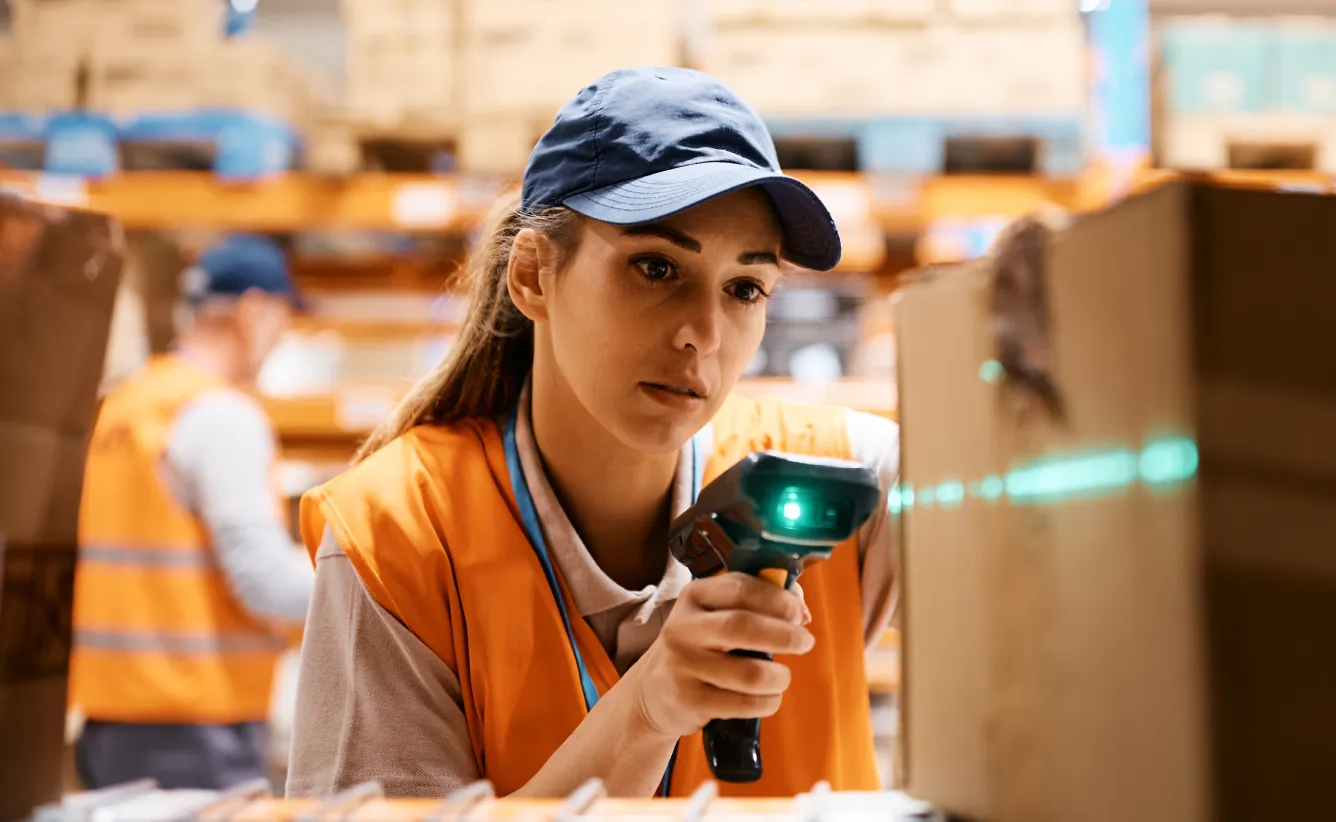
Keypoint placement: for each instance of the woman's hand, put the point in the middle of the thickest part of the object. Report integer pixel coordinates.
(688, 678)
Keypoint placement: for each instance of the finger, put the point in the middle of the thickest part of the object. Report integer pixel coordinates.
(739, 674)
(720, 704)
(750, 631)
(735, 591)
(797, 590)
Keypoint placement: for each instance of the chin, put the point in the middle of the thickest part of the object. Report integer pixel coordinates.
(659, 433)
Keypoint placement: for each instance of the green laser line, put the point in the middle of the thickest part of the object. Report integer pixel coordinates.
(1056, 478)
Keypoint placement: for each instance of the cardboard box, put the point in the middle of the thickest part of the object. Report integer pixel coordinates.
(124, 82)
(1204, 142)
(378, 17)
(829, 12)
(144, 24)
(1124, 610)
(402, 76)
(36, 80)
(1307, 70)
(498, 146)
(1028, 68)
(597, 16)
(58, 279)
(1012, 9)
(531, 68)
(253, 75)
(1214, 65)
(782, 71)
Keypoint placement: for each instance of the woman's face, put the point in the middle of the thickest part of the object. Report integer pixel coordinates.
(651, 326)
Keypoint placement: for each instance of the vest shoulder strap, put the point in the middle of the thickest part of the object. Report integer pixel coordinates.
(385, 514)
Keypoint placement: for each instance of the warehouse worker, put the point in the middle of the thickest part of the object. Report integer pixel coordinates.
(188, 586)
(494, 594)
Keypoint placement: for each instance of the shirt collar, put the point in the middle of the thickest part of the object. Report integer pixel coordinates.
(593, 590)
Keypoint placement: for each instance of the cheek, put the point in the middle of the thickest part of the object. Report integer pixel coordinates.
(746, 331)
(596, 328)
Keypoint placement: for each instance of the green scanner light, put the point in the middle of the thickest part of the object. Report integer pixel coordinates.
(1164, 463)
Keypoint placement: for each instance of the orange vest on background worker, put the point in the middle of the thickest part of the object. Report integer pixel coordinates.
(158, 635)
(431, 524)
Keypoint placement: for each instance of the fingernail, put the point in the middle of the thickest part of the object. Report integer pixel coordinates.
(807, 615)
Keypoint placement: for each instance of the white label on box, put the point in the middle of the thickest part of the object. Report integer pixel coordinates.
(62, 190)
(849, 202)
(425, 205)
(362, 409)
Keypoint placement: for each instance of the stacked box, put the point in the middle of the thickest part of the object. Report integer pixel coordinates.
(37, 80)
(401, 62)
(1009, 10)
(145, 57)
(795, 72)
(125, 82)
(806, 12)
(1117, 539)
(851, 65)
(527, 57)
(1249, 82)
(522, 59)
(81, 25)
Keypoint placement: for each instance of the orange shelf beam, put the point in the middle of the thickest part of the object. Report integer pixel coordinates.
(351, 411)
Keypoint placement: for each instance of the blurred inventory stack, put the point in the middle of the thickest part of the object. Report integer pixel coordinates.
(521, 59)
(1247, 92)
(93, 85)
(912, 87)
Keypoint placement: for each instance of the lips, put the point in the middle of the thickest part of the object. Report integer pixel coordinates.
(686, 388)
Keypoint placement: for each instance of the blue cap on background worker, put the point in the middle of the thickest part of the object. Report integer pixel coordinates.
(188, 587)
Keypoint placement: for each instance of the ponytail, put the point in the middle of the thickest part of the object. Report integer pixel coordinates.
(484, 372)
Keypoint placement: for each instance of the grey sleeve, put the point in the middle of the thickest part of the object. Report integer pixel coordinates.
(373, 701)
(875, 442)
(220, 457)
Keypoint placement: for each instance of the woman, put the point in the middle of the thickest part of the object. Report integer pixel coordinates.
(494, 596)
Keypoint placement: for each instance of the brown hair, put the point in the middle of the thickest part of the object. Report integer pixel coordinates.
(485, 370)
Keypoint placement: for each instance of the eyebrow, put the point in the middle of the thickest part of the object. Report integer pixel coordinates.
(758, 258)
(689, 243)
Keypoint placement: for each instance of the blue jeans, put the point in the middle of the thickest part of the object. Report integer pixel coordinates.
(206, 757)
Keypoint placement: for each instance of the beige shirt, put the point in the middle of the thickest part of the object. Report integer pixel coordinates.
(374, 703)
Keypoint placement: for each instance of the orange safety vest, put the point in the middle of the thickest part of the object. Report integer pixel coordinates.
(431, 524)
(158, 635)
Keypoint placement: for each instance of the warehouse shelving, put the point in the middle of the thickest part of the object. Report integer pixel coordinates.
(342, 415)
(419, 202)
(452, 203)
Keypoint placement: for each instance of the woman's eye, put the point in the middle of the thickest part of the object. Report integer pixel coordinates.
(656, 269)
(747, 291)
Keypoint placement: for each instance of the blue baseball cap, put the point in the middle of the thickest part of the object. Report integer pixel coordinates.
(640, 145)
(238, 264)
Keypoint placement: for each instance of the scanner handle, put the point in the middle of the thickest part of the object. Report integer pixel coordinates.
(733, 746)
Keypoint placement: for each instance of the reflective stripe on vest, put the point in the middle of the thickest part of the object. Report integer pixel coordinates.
(435, 533)
(176, 643)
(147, 558)
(159, 636)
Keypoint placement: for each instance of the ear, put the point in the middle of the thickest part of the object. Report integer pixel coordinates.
(530, 273)
(249, 304)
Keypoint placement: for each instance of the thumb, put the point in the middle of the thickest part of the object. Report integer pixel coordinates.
(798, 591)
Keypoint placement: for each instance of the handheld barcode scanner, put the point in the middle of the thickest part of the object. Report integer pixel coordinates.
(771, 515)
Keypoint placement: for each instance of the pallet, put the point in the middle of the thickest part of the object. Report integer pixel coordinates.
(1050, 145)
(1251, 142)
(235, 145)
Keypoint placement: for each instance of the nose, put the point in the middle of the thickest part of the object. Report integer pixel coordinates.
(701, 326)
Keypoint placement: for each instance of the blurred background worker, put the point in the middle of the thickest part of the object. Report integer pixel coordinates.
(188, 586)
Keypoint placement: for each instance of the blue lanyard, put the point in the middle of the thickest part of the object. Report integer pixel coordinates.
(529, 520)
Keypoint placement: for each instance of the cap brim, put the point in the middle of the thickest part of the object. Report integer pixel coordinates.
(810, 237)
